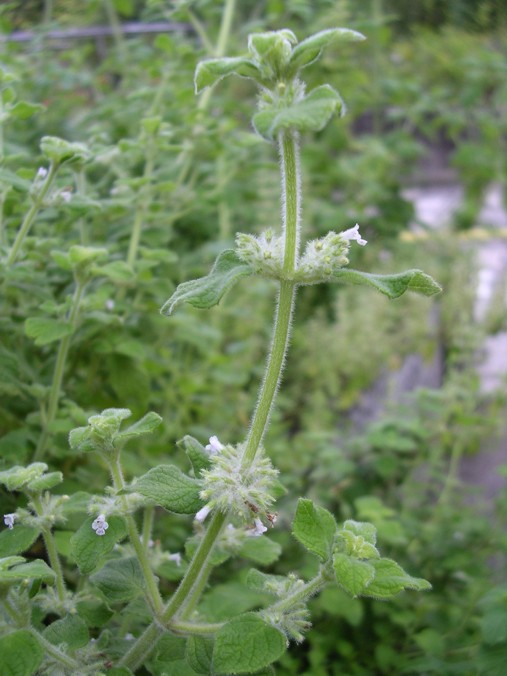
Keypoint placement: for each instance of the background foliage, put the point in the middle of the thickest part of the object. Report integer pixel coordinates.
(431, 81)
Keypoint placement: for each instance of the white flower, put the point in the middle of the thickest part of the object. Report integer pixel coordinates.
(100, 524)
(109, 304)
(42, 172)
(176, 558)
(129, 637)
(257, 530)
(9, 520)
(66, 196)
(214, 446)
(353, 235)
(202, 514)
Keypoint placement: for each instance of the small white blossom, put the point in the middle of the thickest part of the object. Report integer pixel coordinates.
(129, 637)
(353, 235)
(42, 172)
(66, 196)
(176, 558)
(109, 304)
(214, 446)
(100, 524)
(202, 514)
(9, 520)
(258, 529)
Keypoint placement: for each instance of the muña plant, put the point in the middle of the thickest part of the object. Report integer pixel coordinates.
(231, 487)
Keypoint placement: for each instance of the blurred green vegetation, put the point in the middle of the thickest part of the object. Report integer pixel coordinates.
(432, 76)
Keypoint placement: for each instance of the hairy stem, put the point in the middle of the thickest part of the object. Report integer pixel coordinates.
(152, 592)
(56, 384)
(32, 213)
(55, 652)
(51, 550)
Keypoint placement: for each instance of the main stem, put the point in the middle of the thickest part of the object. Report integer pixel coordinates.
(51, 550)
(192, 585)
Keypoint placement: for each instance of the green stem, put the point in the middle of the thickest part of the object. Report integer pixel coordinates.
(152, 592)
(149, 513)
(116, 30)
(452, 474)
(13, 613)
(194, 629)
(50, 545)
(144, 203)
(143, 647)
(192, 584)
(190, 603)
(32, 213)
(58, 373)
(55, 653)
(1, 128)
(306, 592)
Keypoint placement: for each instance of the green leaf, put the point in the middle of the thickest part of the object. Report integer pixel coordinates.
(211, 71)
(247, 643)
(261, 550)
(120, 580)
(94, 612)
(89, 549)
(352, 574)
(391, 286)
(494, 625)
(391, 579)
(207, 291)
(196, 453)
(21, 653)
(71, 630)
(310, 114)
(17, 540)
(22, 110)
(118, 271)
(146, 425)
(309, 50)
(199, 652)
(45, 482)
(315, 528)
(15, 478)
(168, 487)
(46, 330)
(9, 178)
(363, 528)
(58, 150)
(12, 569)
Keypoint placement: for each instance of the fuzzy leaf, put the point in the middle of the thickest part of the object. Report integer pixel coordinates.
(391, 286)
(46, 330)
(353, 575)
(11, 179)
(89, 549)
(13, 569)
(146, 425)
(315, 528)
(70, 630)
(17, 540)
(21, 653)
(211, 71)
(168, 487)
(310, 114)
(120, 580)
(15, 478)
(309, 50)
(45, 482)
(207, 291)
(391, 579)
(22, 110)
(247, 643)
(198, 653)
(196, 453)
(261, 550)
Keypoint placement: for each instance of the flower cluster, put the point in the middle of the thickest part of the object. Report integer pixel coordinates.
(227, 486)
(264, 253)
(9, 520)
(322, 257)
